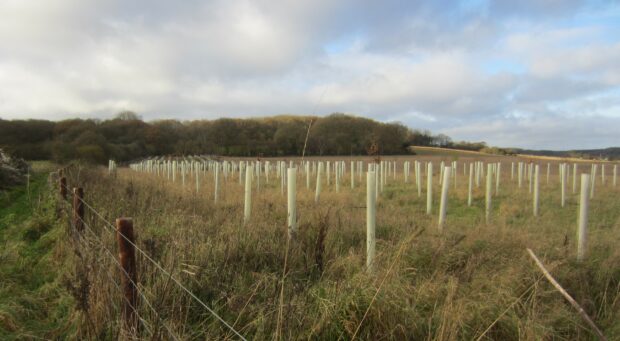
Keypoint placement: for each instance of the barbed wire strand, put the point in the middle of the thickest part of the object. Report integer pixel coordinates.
(118, 264)
(157, 265)
(140, 318)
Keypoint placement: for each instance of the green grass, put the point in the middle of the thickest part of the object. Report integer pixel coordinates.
(33, 300)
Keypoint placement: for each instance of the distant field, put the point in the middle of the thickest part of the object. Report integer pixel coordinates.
(434, 151)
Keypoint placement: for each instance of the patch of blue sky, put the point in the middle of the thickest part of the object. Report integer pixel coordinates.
(496, 66)
(477, 6)
(343, 44)
(605, 19)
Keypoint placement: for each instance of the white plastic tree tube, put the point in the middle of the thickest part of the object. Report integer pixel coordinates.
(443, 204)
(248, 194)
(488, 193)
(307, 175)
(441, 170)
(563, 184)
(497, 177)
(574, 178)
(197, 182)
(317, 193)
(292, 194)
(454, 171)
(337, 176)
(352, 171)
(536, 190)
(216, 185)
(530, 168)
(593, 180)
(371, 215)
(582, 228)
(429, 188)
(471, 180)
(418, 177)
(328, 174)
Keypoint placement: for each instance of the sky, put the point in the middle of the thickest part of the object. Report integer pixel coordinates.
(541, 74)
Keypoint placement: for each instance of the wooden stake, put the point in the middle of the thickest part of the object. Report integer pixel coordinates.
(63, 188)
(78, 209)
(129, 277)
(568, 297)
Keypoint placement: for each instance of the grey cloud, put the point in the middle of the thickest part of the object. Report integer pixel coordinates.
(417, 62)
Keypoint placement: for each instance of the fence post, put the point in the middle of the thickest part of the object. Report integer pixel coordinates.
(78, 209)
(63, 188)
(129, 279)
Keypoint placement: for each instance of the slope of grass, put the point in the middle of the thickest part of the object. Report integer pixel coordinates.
(33, 300)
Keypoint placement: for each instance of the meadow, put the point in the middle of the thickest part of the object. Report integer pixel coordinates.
(473, 280)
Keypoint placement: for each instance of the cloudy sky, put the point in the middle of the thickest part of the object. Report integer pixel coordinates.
(530, 73)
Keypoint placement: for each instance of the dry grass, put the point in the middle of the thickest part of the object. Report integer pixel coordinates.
(450, 286)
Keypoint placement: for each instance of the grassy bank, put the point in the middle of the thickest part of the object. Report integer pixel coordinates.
(34, 302)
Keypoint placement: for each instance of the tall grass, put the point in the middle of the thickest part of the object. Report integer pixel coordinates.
(448, 286)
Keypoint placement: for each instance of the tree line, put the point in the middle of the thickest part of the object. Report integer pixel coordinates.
(128, 137)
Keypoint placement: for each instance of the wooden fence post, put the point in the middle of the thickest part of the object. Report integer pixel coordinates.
(63, 188)
(129, 277)
(78, 209)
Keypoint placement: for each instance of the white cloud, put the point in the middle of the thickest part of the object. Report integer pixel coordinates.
(423, 63)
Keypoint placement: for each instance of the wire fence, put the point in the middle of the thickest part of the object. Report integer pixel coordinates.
(96, 240)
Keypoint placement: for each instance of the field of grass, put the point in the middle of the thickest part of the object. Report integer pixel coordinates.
(473, 281)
